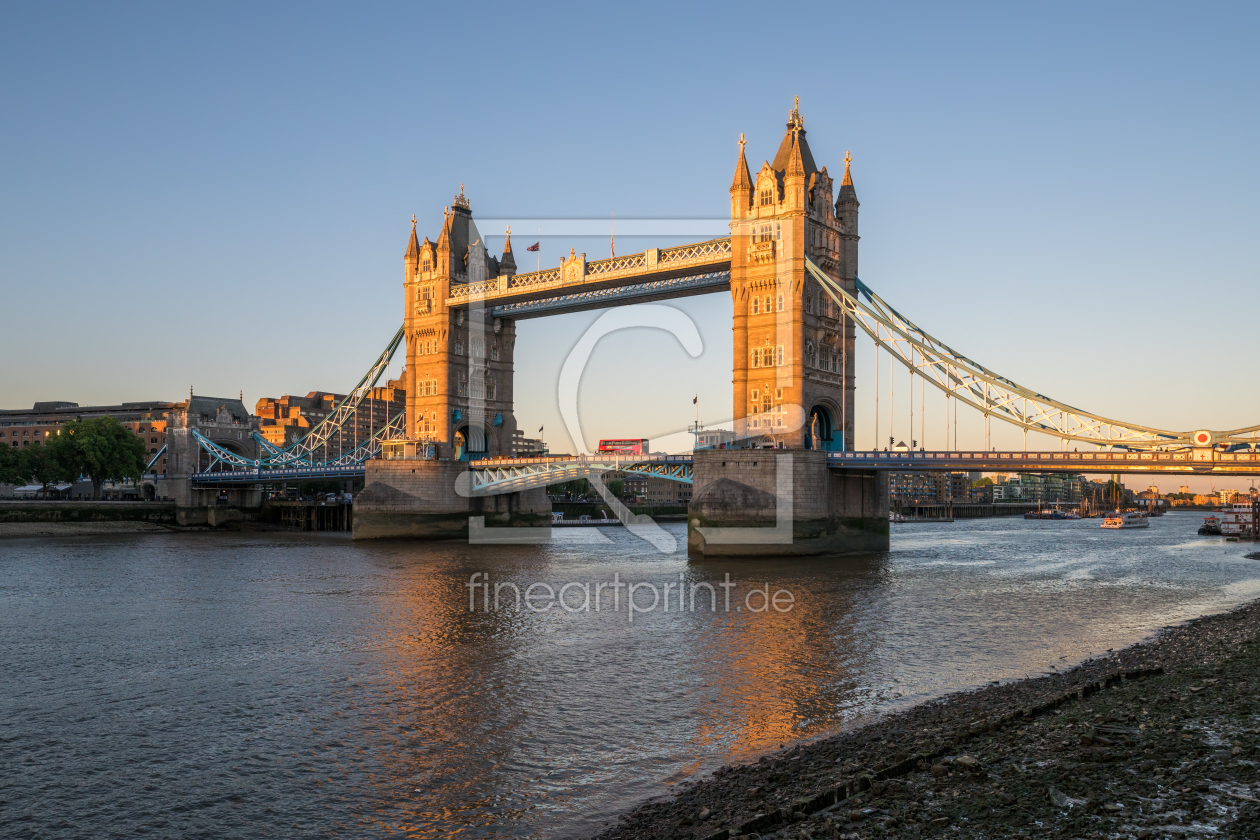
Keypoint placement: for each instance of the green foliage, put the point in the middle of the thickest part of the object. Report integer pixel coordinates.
(40, 465)
(10, 468)
(617, 487)
(982, 482)
(99, 448)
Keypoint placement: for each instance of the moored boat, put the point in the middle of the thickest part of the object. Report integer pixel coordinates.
(1236, 521)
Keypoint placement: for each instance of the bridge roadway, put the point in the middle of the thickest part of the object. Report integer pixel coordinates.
(504, 475)
(577, 285)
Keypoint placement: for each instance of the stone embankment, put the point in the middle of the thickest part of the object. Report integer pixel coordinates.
(1159, 740)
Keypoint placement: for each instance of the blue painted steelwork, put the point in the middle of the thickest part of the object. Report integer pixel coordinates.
(700, 284)
(299, 460)
(259, 476)
(154, 459)
(507, 475)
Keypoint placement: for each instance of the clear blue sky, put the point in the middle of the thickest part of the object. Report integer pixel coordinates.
(218, 195)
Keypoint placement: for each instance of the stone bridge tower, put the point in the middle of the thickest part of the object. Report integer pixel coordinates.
(793, 348)
(459, 360)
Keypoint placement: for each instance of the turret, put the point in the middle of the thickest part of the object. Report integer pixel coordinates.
(412, 259)
(847, 214)
(741, 186)
(507, 263)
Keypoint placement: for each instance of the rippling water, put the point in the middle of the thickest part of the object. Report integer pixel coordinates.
(304, 686)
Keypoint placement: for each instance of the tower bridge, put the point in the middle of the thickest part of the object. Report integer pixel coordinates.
(790, 265)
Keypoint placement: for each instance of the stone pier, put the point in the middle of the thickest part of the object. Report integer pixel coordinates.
(783, 502)
(418, 499)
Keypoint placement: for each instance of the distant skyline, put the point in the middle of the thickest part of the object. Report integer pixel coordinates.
(221, 196)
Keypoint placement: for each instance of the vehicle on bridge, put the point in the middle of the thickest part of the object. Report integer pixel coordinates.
(637, 446)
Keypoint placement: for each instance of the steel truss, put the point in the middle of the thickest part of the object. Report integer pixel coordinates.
(301, 455)
(492, 477)
(368, 449)
(989, 393)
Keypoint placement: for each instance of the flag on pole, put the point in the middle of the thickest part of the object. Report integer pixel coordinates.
(534, 247)
(695, 399)
(540, 428)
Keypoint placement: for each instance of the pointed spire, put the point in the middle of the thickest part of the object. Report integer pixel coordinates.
(742, 180)
(413, 246)
(848, 195)
(507, 263)
(796, 166)
(794, 144)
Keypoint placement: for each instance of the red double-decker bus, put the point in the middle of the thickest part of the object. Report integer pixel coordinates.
(625, 447)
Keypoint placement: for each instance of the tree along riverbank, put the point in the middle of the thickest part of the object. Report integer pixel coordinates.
(1159, 740)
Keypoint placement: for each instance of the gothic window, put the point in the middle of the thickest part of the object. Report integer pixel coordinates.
(489, 386)
(424, 265)
(779, 355)
(478, 347)
(756, 306)
(809, 304)
(494, 350)
(463, 384)
(767, 197)
(779, 304)
(433, 417)
(767, 357)
(459, 348)
(756, 358)
(778, 393)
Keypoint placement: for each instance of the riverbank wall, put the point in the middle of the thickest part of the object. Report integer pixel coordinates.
(22, 511)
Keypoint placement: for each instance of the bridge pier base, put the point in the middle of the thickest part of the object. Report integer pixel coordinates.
(417, 499)
(783, 502)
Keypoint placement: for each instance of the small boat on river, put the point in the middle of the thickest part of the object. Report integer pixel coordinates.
(1127, 519)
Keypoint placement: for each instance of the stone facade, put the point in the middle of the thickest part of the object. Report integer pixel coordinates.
(783, 502)
(793, 349)
(459, 359)
(226, 422)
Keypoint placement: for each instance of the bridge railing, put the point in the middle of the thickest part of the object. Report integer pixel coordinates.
(630, 266)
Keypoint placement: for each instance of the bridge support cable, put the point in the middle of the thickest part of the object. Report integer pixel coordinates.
(303, 451)
(989, 393)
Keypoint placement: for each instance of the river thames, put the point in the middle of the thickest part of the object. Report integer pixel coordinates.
(300, 685)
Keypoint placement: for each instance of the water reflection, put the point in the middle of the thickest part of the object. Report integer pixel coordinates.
(346, 690)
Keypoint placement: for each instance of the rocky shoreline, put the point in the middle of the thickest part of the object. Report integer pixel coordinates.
(1159, 740)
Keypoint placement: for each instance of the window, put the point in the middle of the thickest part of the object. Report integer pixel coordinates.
(756, 358)
(779, 304)
(494, 350)
(424, 265)
(489, 386)
(478, 347)
(767, 357)
(779, 355)
(459, 348)
(478, 387)
(756, 394)
(767, 197)
(433, 417)
(778, 393)
(463, 383)
(769, 305)
(756, 306)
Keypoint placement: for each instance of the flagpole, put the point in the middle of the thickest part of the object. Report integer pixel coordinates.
(540, 247)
